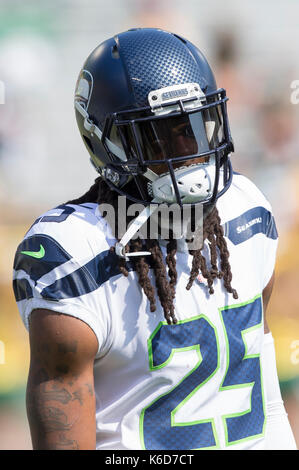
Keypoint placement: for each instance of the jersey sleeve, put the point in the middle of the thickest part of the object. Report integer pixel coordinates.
(250, 224)
(46, 276)
(270, 250)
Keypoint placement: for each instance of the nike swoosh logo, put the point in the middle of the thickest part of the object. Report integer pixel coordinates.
(35, 254)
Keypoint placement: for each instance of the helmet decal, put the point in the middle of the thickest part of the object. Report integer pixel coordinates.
(84, 88)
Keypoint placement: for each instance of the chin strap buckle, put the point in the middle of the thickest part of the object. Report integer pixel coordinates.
(120, 251)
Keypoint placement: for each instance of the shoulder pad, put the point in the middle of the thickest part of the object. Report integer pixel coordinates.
(38, 255)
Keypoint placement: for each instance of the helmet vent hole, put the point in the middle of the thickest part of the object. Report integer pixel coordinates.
(114, 52)
(180, 38)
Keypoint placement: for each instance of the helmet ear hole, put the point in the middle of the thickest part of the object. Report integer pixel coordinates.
(88, 143)
(114, 52)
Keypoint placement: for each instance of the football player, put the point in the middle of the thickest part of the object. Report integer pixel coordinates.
(151, 343)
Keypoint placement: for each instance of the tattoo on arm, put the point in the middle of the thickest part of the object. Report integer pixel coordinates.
(78, 396)
(90, 389)
(60, 396)
(65, 444)
(46, 417)
(69, 348)
(54, 419)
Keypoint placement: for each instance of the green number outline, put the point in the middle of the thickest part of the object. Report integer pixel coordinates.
(246, 356)
(196, 347)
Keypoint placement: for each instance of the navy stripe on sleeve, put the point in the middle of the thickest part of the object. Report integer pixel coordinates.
(22, 289)
(85, 279)
(253, 221)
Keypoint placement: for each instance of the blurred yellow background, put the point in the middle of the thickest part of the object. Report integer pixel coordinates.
(253, 47)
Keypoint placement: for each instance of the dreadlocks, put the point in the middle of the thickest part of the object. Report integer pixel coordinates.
(166, 279)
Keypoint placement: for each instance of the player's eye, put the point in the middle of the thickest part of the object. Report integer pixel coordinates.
(184, 130)
(188, 132)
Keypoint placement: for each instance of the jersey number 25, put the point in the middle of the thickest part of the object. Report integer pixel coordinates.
(158, 427)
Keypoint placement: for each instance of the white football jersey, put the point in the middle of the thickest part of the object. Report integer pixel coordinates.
(197, 384)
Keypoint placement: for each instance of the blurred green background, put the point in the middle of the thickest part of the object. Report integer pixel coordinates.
(253, 46)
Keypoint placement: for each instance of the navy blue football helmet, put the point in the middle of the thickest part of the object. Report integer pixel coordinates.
(153, 120)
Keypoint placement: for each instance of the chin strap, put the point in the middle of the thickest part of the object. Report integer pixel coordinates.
(134, 227)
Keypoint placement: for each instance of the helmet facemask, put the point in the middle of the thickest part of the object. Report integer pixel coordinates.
(173, 150)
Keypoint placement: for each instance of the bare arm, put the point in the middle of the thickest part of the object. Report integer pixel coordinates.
(60, 389)
(266, 297)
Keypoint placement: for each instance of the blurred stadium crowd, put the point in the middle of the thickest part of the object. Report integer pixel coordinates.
(253, 47)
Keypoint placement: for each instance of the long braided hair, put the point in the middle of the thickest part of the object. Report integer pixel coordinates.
(166, 274)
